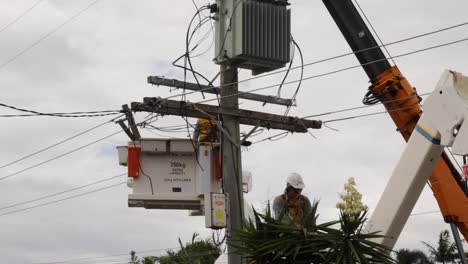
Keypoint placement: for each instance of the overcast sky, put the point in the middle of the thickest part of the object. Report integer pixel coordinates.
(100, 60)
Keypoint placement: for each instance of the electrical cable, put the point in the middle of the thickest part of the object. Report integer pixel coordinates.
(373, 29)
(278, 94)
(370, 114)
(62, 192)
(76, 260)
(58, 143)
(16, 56)
(159, 135)
(66, 153)
(63, 199)
(59, 156)
(366, 106)
(121, 257)
(284, 134)
(70, 114)
(273, 138)
(300, 79)
(186, 55)
(348, 54)
(322, 74)
(211, 44)
(20, 16)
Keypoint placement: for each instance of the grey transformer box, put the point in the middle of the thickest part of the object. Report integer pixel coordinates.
(252, 34)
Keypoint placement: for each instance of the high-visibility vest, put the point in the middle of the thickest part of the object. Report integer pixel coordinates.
(208, 130)
(294, 209)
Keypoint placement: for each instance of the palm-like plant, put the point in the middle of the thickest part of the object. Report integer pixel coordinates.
(407, 256)
(445, 251)
(268, 240)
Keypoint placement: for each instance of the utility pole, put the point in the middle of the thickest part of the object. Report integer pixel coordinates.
(261, 45)
(231, 153)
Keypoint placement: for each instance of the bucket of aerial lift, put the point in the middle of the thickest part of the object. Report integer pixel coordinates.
(170, 175)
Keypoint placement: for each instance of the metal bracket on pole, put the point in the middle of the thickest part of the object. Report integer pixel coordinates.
(156, 80)
(131, 123)
(246, 117)
(126, 129)
(244, 139)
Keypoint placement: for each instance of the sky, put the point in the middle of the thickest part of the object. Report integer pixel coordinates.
(82, 55)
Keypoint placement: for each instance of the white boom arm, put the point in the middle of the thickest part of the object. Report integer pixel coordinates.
(441, 125)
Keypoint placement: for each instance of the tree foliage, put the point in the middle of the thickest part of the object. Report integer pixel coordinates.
(146, 260)
(407, 256)
(445, 251)
(268, 240)
(195, 252)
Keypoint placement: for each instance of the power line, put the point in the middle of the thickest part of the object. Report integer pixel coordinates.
(103, 257)
(373, 29)
(366, 106)
(345, 55)
(16, 56)
(20, 16)
(119, 257)
(370, 114)
(284, 134)
(62, 192)
(322, 74)
(70, 114)
(64, 199)
(58, 143)
(69, 152)
(354, 52)
(59, 156)
(424, 213)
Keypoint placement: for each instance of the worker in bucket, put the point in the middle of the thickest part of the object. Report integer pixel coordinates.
(206, 131)
(292, 205)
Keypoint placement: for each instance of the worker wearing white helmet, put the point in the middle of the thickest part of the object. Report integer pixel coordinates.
(292, 205)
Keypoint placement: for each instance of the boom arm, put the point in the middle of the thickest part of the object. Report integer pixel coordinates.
(400, 99)
(441, 125)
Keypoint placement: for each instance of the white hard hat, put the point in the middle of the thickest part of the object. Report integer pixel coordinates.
(295, 180)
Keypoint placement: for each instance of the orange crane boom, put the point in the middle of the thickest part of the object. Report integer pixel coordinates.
(390, 87)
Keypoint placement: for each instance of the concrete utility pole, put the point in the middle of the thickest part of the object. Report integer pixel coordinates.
(231, 153)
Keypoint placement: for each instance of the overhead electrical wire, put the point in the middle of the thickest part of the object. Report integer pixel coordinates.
(20, 16)
(293, 98)
(23, 51)
(123, 256)
(63, 199)
(78, 260)
(366, 106)
(318, 75)
(351, 53)
(348, 54)
(59, 156)
(68, 152)
(284, 134)
(374, 31)
(370, 114)
(58, 143)
(69, 114)
(293, 53)
(62, 192)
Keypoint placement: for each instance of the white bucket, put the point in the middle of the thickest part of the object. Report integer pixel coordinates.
(123, 155)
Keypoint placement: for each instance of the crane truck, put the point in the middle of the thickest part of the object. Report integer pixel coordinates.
(393, 90)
